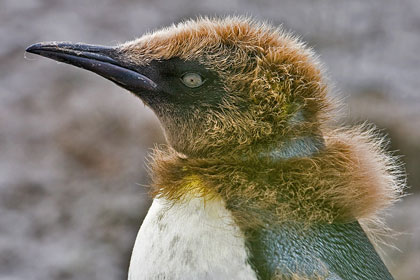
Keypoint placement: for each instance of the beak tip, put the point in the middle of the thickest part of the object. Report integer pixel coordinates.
(35, 48)
(43, 46)
(32, 48)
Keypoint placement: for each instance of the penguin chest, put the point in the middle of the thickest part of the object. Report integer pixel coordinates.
(195, 239)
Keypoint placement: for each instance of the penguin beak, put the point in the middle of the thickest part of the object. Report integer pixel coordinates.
(98, 59)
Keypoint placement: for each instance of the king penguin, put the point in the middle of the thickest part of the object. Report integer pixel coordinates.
(257, 180)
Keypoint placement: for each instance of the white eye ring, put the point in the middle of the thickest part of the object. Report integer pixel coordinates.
(192, 80)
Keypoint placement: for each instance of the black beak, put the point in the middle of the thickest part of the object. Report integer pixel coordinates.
(98, 59)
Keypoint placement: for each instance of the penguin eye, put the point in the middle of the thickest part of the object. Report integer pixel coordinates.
(192, 80)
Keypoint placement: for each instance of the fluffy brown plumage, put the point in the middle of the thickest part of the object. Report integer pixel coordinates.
(352, 178)
(264, 69)
(218, 154)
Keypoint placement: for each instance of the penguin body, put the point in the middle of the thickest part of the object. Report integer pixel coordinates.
(197, 239)
(257, 181)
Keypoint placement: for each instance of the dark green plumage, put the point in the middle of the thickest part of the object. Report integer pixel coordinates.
(336, 251)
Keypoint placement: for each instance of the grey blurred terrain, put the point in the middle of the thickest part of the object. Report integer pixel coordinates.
(73, 145)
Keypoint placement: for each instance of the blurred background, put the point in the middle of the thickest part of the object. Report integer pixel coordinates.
(73, 145)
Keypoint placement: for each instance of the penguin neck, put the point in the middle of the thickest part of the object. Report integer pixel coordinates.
(302, 179)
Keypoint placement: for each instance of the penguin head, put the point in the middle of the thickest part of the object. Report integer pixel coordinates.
(220, 87)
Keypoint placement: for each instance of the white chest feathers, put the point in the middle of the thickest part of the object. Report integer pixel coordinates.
(193, 240)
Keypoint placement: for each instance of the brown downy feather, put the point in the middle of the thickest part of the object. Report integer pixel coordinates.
(265, 69)
(216, 152)
(352, 178)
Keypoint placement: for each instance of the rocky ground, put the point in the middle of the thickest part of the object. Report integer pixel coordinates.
(72, 145)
